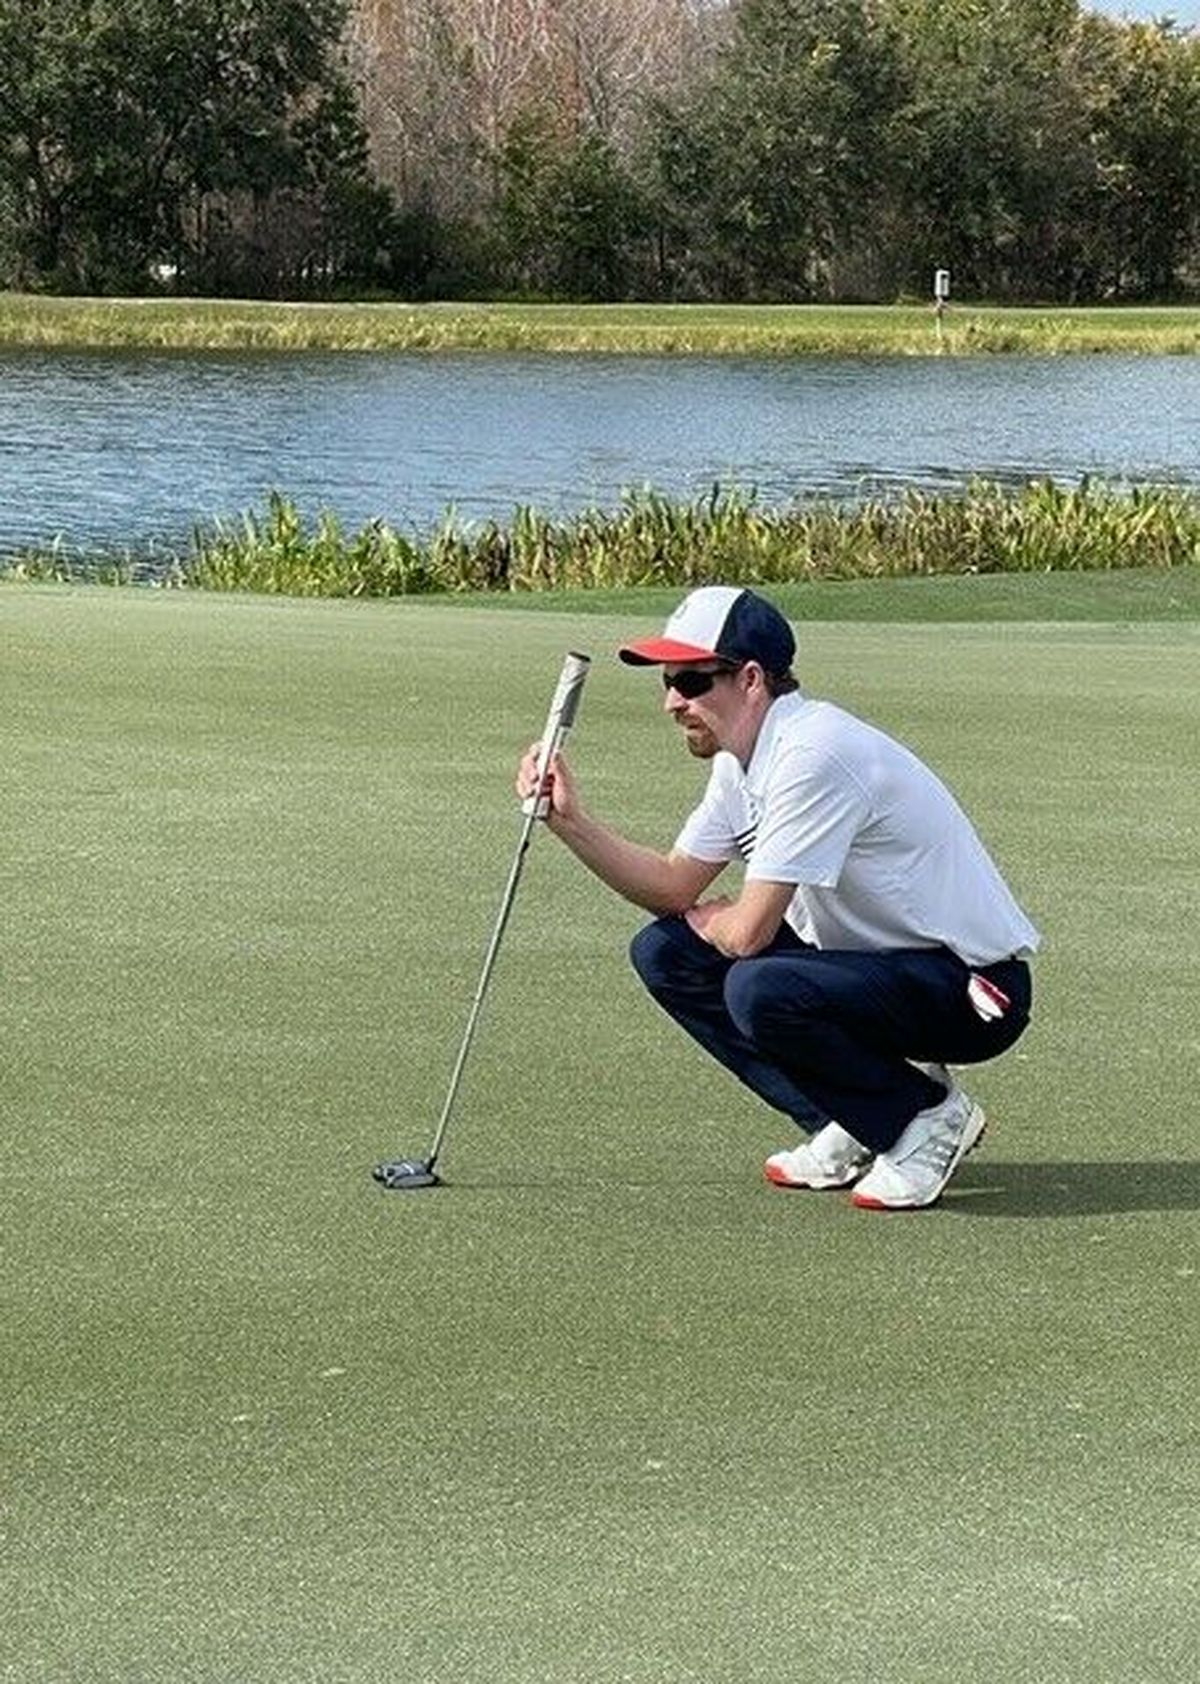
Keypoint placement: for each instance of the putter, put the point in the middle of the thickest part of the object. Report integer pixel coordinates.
(408, 1174)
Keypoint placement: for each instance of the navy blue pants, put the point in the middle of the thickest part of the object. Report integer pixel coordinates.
(823, 1034)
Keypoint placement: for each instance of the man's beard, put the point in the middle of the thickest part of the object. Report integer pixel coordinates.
(701, 743)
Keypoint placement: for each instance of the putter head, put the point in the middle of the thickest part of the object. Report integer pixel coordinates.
(405, 1175)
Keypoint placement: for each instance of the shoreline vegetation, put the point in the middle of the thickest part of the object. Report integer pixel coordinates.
(651, 540)
(911, 329)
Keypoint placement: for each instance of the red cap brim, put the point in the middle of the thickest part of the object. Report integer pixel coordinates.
(653, 651)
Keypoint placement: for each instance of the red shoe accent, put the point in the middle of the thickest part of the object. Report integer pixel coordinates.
(780, 1178)
(864, 1201)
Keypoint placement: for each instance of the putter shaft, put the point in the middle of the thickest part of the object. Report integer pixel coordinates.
(561, 717)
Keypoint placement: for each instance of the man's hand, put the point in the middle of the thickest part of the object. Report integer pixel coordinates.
(702, 915)
(743, 927)
(559, 784)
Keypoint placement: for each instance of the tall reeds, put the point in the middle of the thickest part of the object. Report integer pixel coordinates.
(651, 539)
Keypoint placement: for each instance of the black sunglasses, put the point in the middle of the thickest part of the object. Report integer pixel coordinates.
(689, 684)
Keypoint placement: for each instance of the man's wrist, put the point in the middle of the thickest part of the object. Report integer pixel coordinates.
(563, 827)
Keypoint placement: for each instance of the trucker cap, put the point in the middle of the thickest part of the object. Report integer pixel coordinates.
(719, 622)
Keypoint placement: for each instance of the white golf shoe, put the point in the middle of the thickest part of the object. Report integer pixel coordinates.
(912, 1173)
(832, 1158)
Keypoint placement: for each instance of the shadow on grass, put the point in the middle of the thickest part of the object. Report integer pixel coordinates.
(1038, 1190)
(1066, 1189)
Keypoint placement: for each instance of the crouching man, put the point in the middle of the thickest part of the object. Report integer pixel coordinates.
(873, 943)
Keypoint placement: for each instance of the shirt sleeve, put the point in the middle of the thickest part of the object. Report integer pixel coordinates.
(813, 808)
(709, 833)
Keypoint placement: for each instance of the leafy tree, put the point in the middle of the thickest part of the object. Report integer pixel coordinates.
(1049, 151)
(778, 165)
(569, 212)
(1143, 96)
(994, 142)
(123, 121)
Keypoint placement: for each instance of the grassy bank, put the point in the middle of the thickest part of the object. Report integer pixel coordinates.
(651, 540)
(884, 330)
(606, 1407)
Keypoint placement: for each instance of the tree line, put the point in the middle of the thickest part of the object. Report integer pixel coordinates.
(603, 149)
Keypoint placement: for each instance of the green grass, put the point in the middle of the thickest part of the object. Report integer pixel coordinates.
(901, 329)
(1143, 593)
(606, 1408)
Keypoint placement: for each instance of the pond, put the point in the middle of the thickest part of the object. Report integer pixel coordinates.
(113, 451)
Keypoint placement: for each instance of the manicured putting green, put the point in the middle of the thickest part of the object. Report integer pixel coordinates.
(607, 1407)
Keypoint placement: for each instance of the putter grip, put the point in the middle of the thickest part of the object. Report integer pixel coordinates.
(559, 720)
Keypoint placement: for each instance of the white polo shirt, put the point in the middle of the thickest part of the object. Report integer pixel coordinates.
(881, 853)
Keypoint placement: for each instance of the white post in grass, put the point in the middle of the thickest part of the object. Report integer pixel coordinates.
(941, 294)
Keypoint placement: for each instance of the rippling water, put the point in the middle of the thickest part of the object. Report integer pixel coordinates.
(116, 451)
